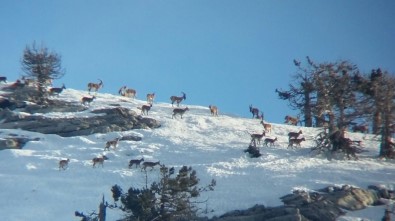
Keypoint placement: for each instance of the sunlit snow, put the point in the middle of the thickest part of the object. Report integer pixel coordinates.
(33, 187)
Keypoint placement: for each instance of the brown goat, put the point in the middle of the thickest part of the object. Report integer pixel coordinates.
(257, 137)
(63, 164)
(255, 112)
(112, 143)
(88, 100)
(294, 135)
(270, 141)
(291, 120)
(150, 164)
(179, 111)
(95, 86)
(145, 108)
(295, 141)
(268, 127)
(213, 110)
(127, 92)
(178, 99)
(56, 90)
(135, 162)
(99, 160)
(150, 98)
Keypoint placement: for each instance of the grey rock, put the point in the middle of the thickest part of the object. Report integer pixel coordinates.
(105, 120)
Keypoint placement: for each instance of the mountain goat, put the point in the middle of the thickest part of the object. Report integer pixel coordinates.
(179, 111)
(63, 164)
(213, 110)
(99, 160)
(178, 99)
(95, 86)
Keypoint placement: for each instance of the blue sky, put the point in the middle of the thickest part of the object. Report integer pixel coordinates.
(231, 53)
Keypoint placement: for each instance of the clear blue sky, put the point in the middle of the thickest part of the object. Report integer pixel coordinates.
(231, 53)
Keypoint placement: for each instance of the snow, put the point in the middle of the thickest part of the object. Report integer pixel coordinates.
(33, 188)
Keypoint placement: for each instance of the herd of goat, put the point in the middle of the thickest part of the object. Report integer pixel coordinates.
(294, 138)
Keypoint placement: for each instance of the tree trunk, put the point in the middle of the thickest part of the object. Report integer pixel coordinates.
(377, 122)
(308, 120)
(332, 127)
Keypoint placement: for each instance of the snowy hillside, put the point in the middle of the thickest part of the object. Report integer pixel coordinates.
(33, 188)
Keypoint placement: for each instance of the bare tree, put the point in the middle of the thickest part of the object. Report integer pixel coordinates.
(336, 95)
(301, 93)
(323, 90)
(43, 66)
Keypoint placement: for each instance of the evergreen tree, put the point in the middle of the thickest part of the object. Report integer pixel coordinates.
(43, 66)
(170, 199)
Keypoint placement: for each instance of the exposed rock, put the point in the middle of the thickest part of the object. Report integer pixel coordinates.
(253, 151)
(131, 137)
(105, 120)
(113, 118)
(54, 106)
(326, 205)
(14, 142)
(260, 212)
(355, 198)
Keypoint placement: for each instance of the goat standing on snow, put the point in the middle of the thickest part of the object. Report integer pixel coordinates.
(88, 100)
(270, 141)
(179, 111)
(178, 99)
(291, 120)
(213, 110)
(257, 137)
(268, 127)
(150, 164)
(255, 112)
(295, 141)
(294, 135)
(127, 92)
(56, 90)
(112, 143)
(95, 86)
(150, 98)
(135, 162)
(99, 160)
(145, 108)
(63, 164)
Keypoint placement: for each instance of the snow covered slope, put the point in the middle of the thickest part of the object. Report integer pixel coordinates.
(33, 188)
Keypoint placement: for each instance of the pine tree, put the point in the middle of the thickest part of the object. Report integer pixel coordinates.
(43, 66)
(170, 199)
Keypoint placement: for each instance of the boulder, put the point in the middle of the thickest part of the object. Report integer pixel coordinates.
(324, 205)
(355, 198)
(14, 142)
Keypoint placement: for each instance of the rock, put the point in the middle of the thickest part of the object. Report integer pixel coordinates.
(260, 212)
(326, 205)
(106, 120)
(15, 142)
(253, 151)
(355, 198)
(131, 137)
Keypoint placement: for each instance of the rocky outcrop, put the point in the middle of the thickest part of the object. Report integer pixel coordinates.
(102, 121)
(15, 142)
(31, 116)
(324, 205)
